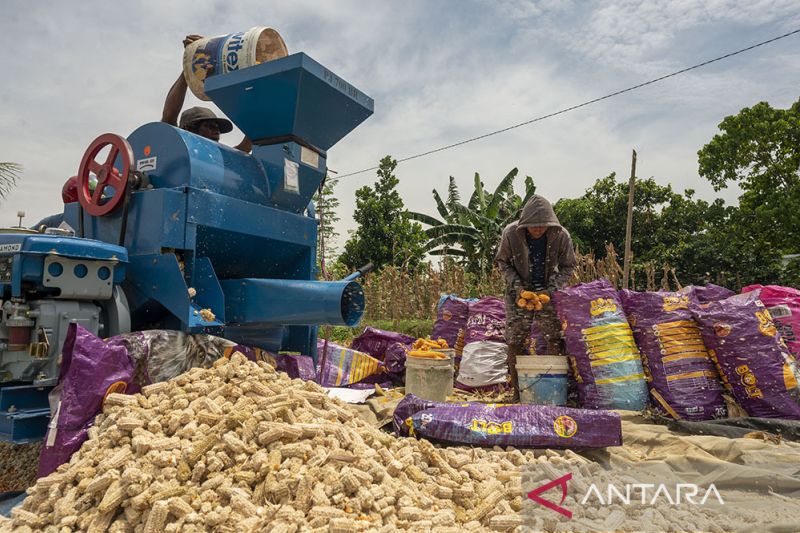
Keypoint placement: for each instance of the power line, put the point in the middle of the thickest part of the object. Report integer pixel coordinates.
(578, 106)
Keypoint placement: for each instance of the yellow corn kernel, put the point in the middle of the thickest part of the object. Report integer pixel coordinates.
(544, 298)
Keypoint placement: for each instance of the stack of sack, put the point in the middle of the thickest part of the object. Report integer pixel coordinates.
(687, 354)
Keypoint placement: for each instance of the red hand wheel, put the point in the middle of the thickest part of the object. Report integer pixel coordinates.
(107, 174)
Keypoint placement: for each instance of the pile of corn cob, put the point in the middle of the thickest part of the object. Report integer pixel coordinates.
(239, 447)
(428, 348)
(531, 301)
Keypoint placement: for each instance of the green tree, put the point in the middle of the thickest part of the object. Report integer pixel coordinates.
(598, 217)
(9, 174)
(472, 232)
(326, 204)
(758, 149)
(385, 235)
(689, 234)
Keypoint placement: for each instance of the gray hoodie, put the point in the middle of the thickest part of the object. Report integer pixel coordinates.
(512, 256)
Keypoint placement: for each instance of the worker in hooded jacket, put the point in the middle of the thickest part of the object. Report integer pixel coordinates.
(535, 254)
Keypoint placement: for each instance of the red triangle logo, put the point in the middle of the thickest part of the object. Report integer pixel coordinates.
(560, 482)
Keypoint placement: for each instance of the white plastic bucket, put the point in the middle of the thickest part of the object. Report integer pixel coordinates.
(211, 56)
(430, 379)
(542, 379)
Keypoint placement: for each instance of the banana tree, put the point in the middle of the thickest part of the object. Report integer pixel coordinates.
(471, 233)
(9, 173)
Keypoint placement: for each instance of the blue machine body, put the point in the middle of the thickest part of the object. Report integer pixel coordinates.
(22, 261)
(46, 283)
(236, 228)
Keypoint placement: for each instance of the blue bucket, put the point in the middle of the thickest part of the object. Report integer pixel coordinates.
(542, 379)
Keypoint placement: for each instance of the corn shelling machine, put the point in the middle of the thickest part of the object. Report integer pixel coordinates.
(184, 233)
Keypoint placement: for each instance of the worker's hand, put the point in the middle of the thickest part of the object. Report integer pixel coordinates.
(189, 39)
(532, 300)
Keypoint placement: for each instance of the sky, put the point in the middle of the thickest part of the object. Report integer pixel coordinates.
(440, 71)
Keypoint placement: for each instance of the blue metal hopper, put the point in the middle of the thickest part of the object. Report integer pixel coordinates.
(264, 101)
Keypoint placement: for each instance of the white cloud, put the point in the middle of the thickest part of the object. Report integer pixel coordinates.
(440, 72)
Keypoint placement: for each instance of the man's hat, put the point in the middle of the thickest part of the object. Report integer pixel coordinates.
(69, 192)
(193, 115)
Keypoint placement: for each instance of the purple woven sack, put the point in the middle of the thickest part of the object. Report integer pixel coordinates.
(709, 293)
(539, 426)
(751, 356)
(91, 369)
(601, 347)
(487, 321)
(450, 319)
(375, 341)
(395, 361)
(296, 366)
(338, 366)
(684, 383)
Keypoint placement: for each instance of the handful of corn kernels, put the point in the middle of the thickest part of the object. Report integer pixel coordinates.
(531, 301)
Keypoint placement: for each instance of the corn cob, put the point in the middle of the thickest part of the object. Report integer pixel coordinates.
(101, 521)
(342, 457)
(168, 493)
(129, 424)
(202, 447)
(415, 473)
(157, 518)
(411, 514)
(324, 511)
(101, 483)
(117, 460)
(342, 525)
(505, 522)
(272, 435)
(112, 498)
(233, 442)
(121, 400)
(486, 505)
(26, 517)
(179, 507)
(444, 493)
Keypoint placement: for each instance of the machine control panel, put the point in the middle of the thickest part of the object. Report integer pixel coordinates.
(79, 278)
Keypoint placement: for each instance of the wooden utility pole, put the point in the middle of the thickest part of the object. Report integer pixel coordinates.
(626, 269)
